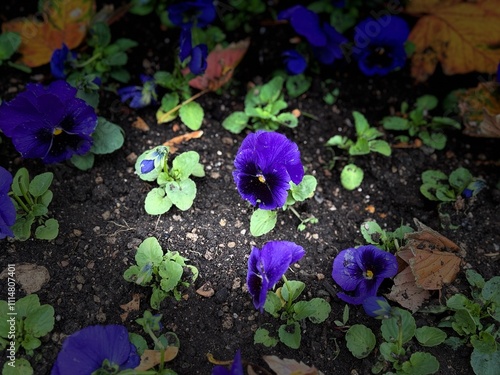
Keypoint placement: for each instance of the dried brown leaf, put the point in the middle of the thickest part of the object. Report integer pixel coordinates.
(172, 143)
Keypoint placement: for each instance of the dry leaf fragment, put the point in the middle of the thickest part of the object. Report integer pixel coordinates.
(462, 36)
(31, 277)
(63, 22)
(221, 63)
(289, 366)
(181, 138)
(140, 124)
(151, 358)
(133, 305)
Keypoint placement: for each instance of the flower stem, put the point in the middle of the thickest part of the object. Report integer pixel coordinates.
(187, 101)
(289, 302)
(21, 203)
(87, 62)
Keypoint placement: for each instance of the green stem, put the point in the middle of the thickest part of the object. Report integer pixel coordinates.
(87, 62)
(21, 203)
(187, 101)
(400, 333)
(311, 116)
(289, 302)
(295, 212)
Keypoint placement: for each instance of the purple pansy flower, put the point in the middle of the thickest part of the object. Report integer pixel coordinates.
(58, 60)
(85, 351)
(264, 166)
(295, 63)
(267, 266)
(236, 367)
(49, 122)
(198, 54)
(198, 13)
(140, 96)
(306, 23)
(7, 209)
(361, 271)
(377, 307)
(379, 44)
(332, 50)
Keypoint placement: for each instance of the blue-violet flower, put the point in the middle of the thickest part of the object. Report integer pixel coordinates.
(264, 166)
(87, 350)
(141, 96)
(295, 63)
(151, 162)
(377, 307)
(49, 122)
(58, 60)
(7, 209)
(361, 271)
(198, 54)
(198, 13)
(306, 23)
(379, 44)
(236, 367)
(266, 266)
(332, 50)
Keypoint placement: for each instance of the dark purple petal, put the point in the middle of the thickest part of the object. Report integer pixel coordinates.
(198, 63)
(306, 23)
(377, 307)
(198, 13)
(5, 181)
(295, 63)
(185, 44)
(236, 367)
(382, 263)
(332, 50)
(147, 166)
(7, 209)
(58, 60)
(84, 351)
(346, 271)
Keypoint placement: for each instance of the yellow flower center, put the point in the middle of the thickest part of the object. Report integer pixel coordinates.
(57, 131)
(369, 274)
(261, 178)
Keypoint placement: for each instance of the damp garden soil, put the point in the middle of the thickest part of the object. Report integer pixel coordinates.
(102, 218)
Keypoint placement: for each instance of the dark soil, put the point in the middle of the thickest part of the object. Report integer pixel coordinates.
(102, 219)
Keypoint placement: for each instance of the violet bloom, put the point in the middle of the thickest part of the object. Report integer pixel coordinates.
(198, 13)
(295, 63)
(49, 122)
(139, 96)
(377, 307)
(7, 209)
(264, 166)
(361, 271)
(305, 23)
(379, 44)
(58, 60)
(92, 347)
(267, 266)
(236, 367)
(198, 54)
(332, 50)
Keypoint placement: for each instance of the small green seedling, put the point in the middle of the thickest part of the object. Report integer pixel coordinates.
(9, 43)
(398, 330)
(31, 200)
(366, 142)
(386, 240)
(476, 321)
(418, 122)
(437, 186)
(263, 221)
(263, 106)
(163, 272)
(176, 188)
(283, 304)
(24, 323)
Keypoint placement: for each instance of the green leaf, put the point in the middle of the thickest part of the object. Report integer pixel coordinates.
(46, 198)
(474, 279)
(390, 352)
(434, 140)
(290, 335)
(445, 121)
(434, 177)
(426, 102)
(262, 222)
(360, 340)
(40, 321)
(340, 141)
(236, 122)
(116, 59)
(149, 251)
(48, 230)
(382, 147)
(485, 363)
(372, 232)
(9, 43)
(131, 274)
(184, 164)
(395, 123)
(157, 297)
(108, 137)
(157, 202)
(390, 327)
(485, 343)
(296, 288)
(361, 147)
(430, 336)
(491, 291)
(83, 162)
(125, 43)
(121, 75)
(297, 85)
(40, 184)
(287, 119)
(139, 342)
(271, 91)
(171, 274)
(305, 189)
(459, 179)
(262, 337)
(181, 193)
(360, 123)
(351, 176)
(39, 209)
(421, 364)
(20, 182)
(273, 304)
(192, 114)
(316, 310)
(22, 227)
(20, 366)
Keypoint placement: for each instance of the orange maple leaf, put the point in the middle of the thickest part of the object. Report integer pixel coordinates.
(63, 22)
(463, 37)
